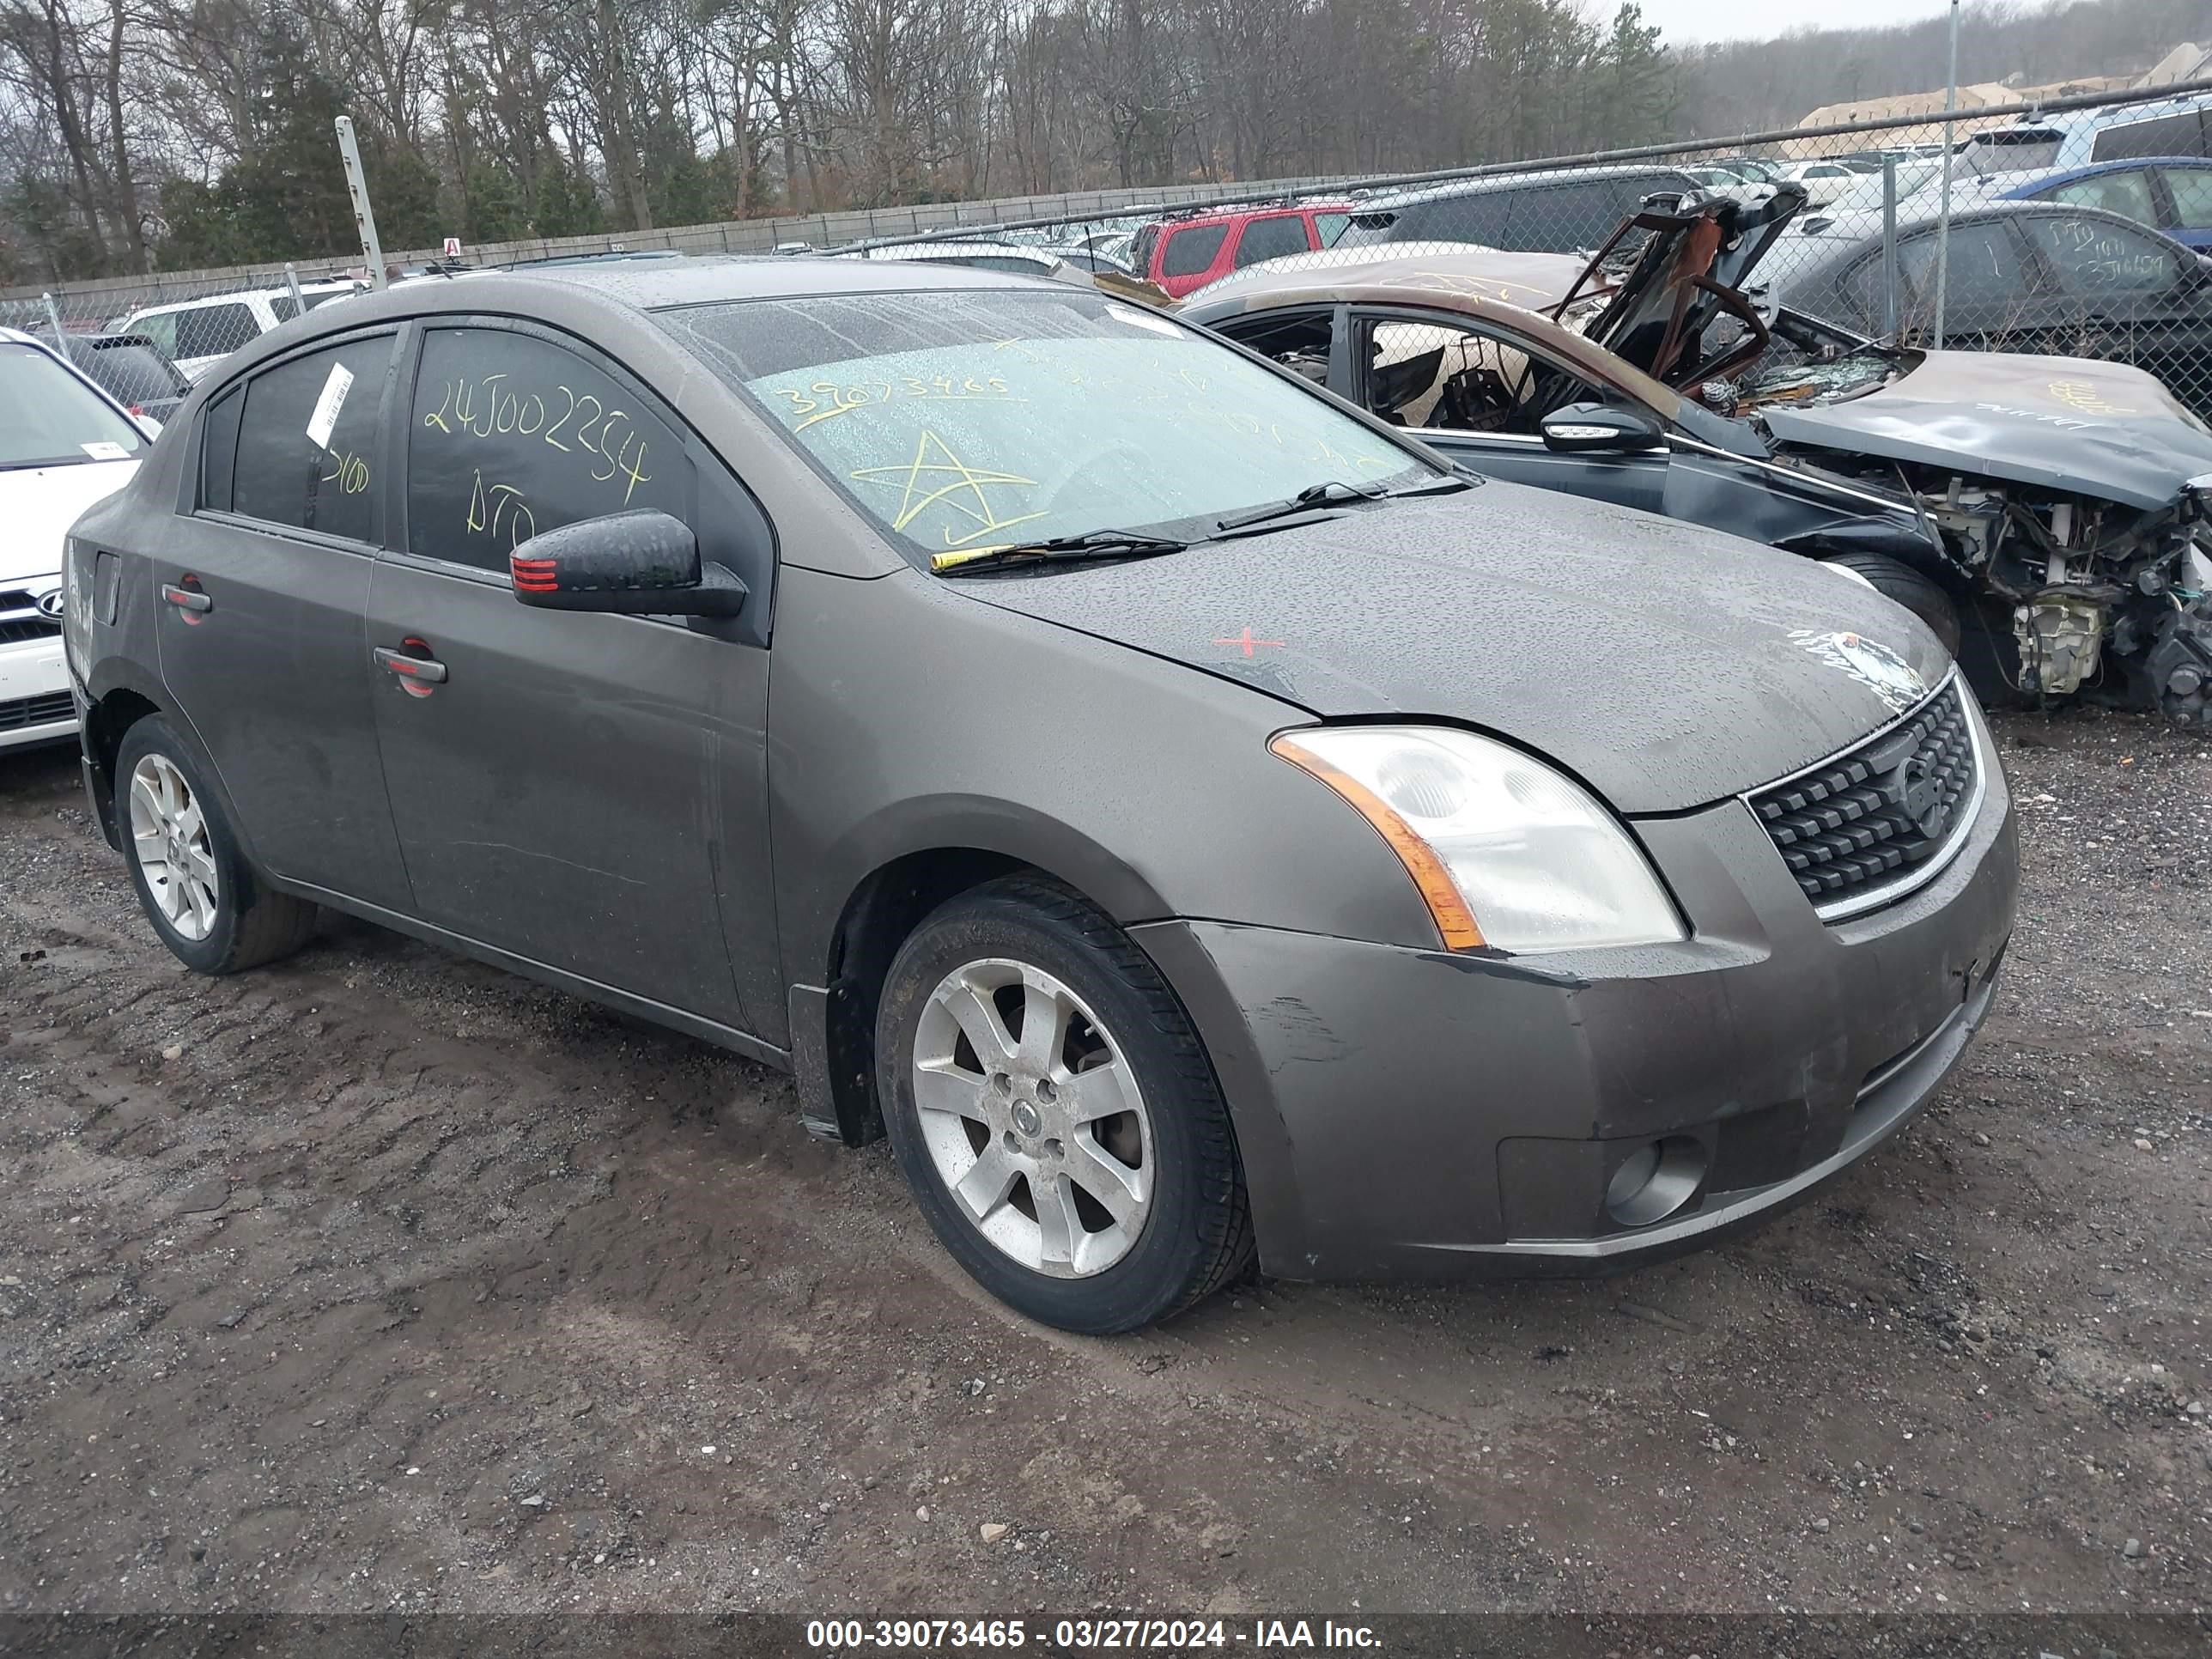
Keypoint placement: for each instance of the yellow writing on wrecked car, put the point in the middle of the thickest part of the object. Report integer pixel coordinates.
(2085, 399)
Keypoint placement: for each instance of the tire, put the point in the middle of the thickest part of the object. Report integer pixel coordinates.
(1094, 1224)
(1924, 598)
(219, 917)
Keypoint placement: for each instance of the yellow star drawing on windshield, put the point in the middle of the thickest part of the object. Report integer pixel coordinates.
(962, 491)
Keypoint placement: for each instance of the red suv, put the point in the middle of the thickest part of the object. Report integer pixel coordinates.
(1186, 251)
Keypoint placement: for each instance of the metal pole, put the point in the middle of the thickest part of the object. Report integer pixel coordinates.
(1943, 213)
(54, 317)
(292, 281)
(1889, 247)
(357, 185)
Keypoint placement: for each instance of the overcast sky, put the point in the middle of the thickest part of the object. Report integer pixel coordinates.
(1682, 21)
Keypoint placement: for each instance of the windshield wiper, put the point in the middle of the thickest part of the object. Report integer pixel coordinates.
(1056, 550)
(1328, 493)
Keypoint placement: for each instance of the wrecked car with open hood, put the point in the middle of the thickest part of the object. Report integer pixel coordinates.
(2045, 516)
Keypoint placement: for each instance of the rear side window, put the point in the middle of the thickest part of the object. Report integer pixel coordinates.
(212, 331)
(1192, 251)
(1271, 238)
(307, 442)
(510, 436)
(1330, 226)
(219, 448)
(1984, 269)
(160, 327)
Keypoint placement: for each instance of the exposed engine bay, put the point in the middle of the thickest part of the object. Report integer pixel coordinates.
(2079, 591)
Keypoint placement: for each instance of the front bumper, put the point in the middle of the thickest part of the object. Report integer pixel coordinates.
(35, 706)
(1414, 1113)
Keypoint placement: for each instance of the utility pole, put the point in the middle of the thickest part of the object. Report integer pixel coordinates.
(1943, 213)
(363, 215)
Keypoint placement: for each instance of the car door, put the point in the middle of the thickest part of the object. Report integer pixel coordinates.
(582, 790)
(1477, 391)
(263, 583)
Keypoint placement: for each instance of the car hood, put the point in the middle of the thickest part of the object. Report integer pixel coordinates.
(1689, 270)
(39, 504)
(2067, 424)
(1669, 665)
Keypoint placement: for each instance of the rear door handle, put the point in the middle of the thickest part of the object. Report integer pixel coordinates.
(187, 599)
(421, 670)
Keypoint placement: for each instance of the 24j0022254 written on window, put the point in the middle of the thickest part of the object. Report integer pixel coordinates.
(512, 436)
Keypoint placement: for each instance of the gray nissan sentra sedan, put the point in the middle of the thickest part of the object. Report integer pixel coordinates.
(1184, 815)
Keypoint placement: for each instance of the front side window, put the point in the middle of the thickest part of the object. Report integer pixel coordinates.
(978, 420)
(1191, 253)
(306, 452)
(1449, 377)
(1271, 238)
(49, 417)
(2090, 257)
(511, 434)
(160, 327)
(213, 330)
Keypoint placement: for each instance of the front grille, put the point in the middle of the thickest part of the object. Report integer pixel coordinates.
(36, 711)
(19, 621)
(21, 631)
(1854, 827)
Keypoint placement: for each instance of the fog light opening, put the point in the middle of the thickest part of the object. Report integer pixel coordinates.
(1655, 1180)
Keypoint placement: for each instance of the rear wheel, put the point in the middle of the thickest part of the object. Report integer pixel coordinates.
(1894, 580)
(1055, 1113)
(205, 901)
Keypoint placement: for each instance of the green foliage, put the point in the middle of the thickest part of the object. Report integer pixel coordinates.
(492, 207)
(567, 205)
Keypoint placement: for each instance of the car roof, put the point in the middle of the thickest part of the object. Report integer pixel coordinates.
(240, 295)
(2091, 169)
(951, 247)
(1410, 197)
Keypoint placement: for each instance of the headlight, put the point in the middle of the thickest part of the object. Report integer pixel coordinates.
(1506, 852)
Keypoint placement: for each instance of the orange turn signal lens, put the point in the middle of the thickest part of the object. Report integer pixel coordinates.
(1454, 921)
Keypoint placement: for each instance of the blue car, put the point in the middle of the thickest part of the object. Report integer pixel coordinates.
(2172, 193)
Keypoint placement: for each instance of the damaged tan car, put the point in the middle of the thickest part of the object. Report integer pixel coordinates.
(2046, 516)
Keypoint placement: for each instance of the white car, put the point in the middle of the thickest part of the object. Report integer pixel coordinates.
(198, 334)
(1823, 182)
(64, 444)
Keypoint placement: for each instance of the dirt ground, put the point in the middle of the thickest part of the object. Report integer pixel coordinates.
(380, 1280)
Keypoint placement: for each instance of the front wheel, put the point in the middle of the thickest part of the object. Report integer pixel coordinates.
(210, 909)
(1895, 580)
(1054, 1113)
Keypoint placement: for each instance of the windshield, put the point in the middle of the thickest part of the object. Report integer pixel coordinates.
(987, 417)
(49, 417)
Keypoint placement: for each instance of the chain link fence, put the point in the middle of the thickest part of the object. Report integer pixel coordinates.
(2037, 256)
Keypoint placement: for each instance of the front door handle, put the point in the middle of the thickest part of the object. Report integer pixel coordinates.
(416, 671)
(189, 600)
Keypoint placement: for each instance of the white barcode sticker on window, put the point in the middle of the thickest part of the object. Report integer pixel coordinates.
(327, 406)
(105, 450)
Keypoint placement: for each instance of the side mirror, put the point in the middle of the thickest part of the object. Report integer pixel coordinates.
(1599, 429)
(642, 562)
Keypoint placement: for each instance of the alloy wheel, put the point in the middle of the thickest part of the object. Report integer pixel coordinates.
(1033, 1119)
(169, 839)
